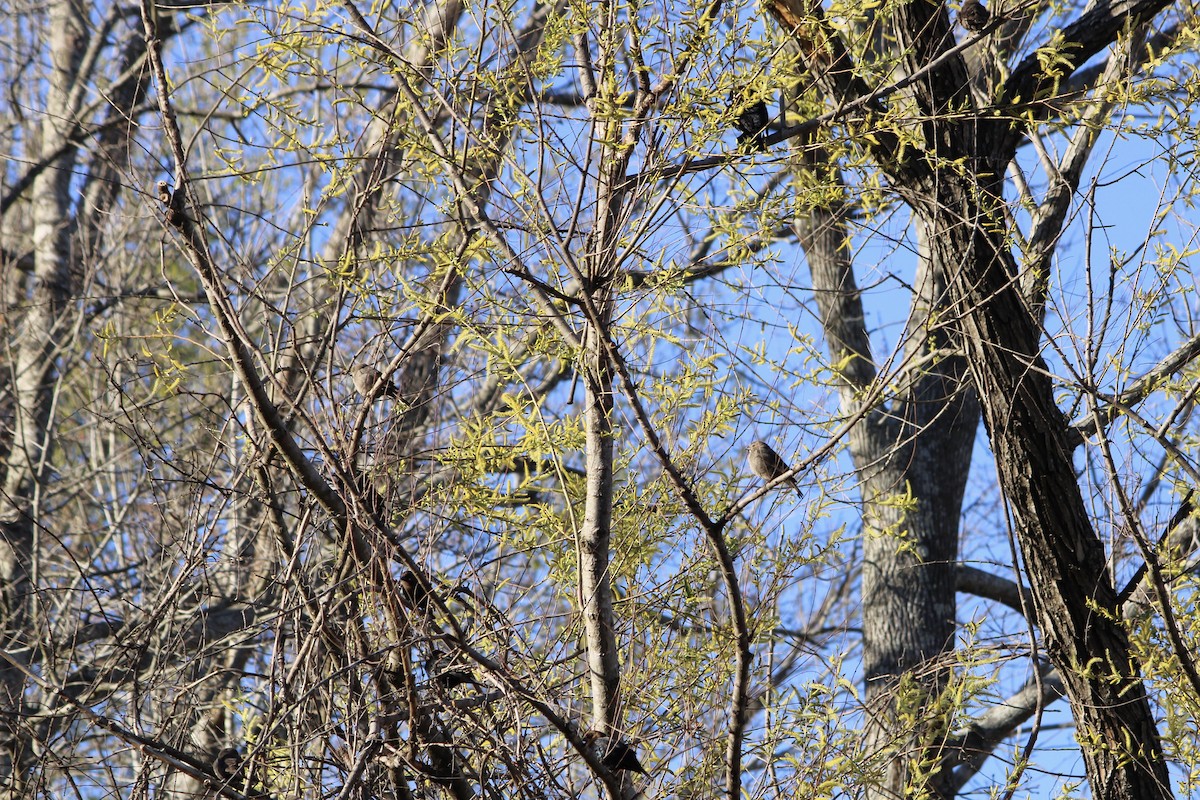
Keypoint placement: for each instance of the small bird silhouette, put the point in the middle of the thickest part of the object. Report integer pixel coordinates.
(412, 594)
(613, 753)
(446, 671)
(973, 15)
(768, 465)
(366, 378)
(751, 120)
(227, 763)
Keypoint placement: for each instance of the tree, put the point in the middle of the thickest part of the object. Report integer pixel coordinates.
(536, 531)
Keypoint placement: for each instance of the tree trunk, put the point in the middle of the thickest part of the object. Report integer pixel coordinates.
(595, 581)
(1074, 600)
(918, 444)
(1065, 560)
(32, 381)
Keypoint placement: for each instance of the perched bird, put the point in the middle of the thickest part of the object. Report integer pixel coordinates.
(613, 753)
(768, 465)
(366, 378)
(227, 763)
(412, 594)
(173, 200)
(446, 672)
(973, 15)
(751, 120)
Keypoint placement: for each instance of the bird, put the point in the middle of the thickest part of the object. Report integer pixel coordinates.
(173, 200)
(613, 753)
(412, 593)
(445, 672)
(973, 15)
(751, 120)
(366, 378)
(768, 465)
(227, 763)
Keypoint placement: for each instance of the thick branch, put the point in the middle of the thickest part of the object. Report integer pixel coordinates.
(981, 583)
(825, 237)
(1032, 81)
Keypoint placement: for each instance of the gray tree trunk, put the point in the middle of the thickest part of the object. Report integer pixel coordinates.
(45, 322)
(918, 442)
(968, 277)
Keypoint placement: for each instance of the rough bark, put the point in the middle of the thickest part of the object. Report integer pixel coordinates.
(918, 442)
(998, 335)
(1064, 558)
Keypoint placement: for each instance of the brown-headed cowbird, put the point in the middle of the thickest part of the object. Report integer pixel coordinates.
(366, 378)
(751, 120)
(973, 15)
(445, 671)
(613, 753)
(227, 763)
(412, 594)
(768, 465)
